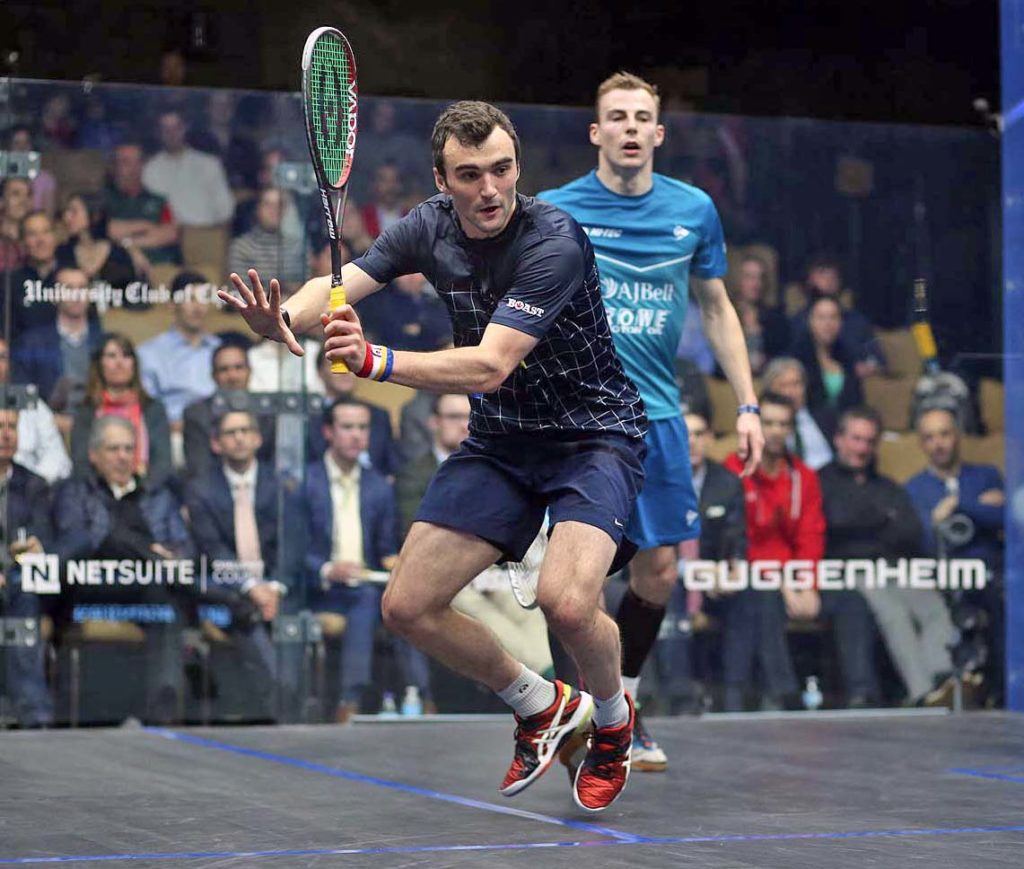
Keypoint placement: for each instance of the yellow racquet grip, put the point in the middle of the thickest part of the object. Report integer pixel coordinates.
(337, 300)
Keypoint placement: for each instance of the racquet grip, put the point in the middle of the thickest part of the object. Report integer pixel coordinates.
(337, 300)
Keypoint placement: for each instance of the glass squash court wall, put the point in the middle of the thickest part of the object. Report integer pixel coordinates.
(140, 604)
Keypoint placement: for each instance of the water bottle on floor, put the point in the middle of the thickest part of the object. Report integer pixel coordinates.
(412, 703)
(812, 695)
(387, 706)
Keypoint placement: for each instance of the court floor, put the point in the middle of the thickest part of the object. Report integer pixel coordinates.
(784, 791)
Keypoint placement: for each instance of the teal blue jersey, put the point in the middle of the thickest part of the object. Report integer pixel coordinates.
(646, 248)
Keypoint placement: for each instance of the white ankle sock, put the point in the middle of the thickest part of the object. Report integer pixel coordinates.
(611, 712)
(529, 693)
(632, 685)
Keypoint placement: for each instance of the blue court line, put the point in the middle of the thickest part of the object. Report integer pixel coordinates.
(310, 766)
(996, 773)
(514, 846)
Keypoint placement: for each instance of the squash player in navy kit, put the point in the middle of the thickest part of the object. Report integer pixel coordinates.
(655, 238)
(556, 427)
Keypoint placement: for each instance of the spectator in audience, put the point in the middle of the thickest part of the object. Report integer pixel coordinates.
(44, 185)
(114, 388)
(354, 234)
(871, 517)
(832, 379)
(414, 435)
(55, 357)
(40, 445)
(811, 441)
(266, 247)
(39, 266)
(139, 219)
(221, 135)
(723, 537)
(296, 208)
(231, 373)
(88, 248)
(193, 182)
(176, 364)
(97, 131)
(113, 512)
(785, 522)
(15, 203)
(693, 389)
(407, 315)
(350, 519)
(173, 68)
(24, 529)
(57, 124)
(382, 453)
(766, 329)
(960, 505)
(233, 509)
(824, 277)
(383, 140)
(386, 206)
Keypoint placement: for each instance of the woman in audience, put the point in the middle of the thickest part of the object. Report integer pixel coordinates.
(832, 380)
(766, 329)
(114, 387)
(89, 249)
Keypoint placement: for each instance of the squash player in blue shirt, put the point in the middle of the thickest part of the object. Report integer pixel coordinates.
(655, 239)
(556, 426)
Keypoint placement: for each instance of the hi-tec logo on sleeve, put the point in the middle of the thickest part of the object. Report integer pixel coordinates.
(532, 310)
(602, 232)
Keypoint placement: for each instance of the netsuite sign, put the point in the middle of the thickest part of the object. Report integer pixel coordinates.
(41, 573)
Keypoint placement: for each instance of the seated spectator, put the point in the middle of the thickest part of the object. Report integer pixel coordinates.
(88, 248)
(231, 372)
(414, 434)
(407, 315)
(44, 185)
(233, 509)
(382, 454)
(114, 388)
(38, 268)
(40, 445)
(811, 441)
(98, 132)
(221, 135)
(193, 182)
(296, 208)
(824, 277)
(15, 203)
(266, 247)
(354, 233)
(765, 329)
(386, 206)
(961, 506)
(113, 512)
(176, 364)
(24, 528)
(57, 123)
(785, 522)
(349, 515)
(870, 516)
(382, 139)
(138, 218)
(723, 537)
(832, 379)
(55, 357)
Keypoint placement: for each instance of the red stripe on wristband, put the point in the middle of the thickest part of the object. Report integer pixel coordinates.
(367, 362)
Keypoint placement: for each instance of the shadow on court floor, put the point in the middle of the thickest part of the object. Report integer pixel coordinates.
(786, 792)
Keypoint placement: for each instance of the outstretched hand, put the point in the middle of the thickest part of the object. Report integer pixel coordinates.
(262, 314)
(750, 443)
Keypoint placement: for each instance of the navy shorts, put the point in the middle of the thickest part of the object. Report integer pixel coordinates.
(666, 512)
(499, 488)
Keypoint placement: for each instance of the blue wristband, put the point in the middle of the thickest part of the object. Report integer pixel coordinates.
(389, 364)
(748, 408)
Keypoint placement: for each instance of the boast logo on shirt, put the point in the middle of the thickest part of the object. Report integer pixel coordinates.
(602, 232)
(532, 310)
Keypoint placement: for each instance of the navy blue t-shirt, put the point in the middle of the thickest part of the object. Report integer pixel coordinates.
(539, 277)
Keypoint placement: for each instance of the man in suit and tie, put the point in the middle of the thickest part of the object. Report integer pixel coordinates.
(24, 528)
(231, 373)
(234, 514)
(350, 520)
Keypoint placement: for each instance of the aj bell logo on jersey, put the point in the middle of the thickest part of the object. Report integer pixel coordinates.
(532, 310)
(637, 291)
(602, 232)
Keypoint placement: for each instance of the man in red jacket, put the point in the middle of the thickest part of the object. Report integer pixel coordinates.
(785, 522)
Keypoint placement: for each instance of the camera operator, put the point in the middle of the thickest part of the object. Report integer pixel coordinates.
(961, 508)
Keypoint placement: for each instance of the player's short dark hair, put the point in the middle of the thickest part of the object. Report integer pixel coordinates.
(779, 400)
(860, 412)
(470, 122)
(342, 401)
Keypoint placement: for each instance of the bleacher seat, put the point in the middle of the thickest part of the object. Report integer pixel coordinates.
(992, 398)
(723, 405)
(721, 447)
(206, 246)
(985, 450)
(900, 456)
(891, 397)
(901, 355)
